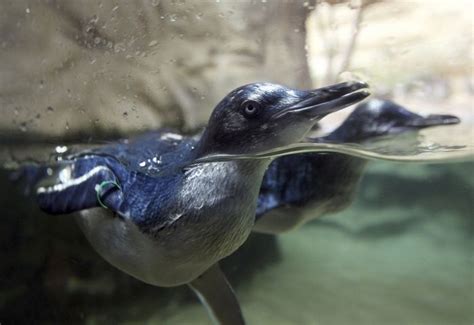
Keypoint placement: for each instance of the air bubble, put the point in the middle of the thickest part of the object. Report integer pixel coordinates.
(173, 18)
(119, 47)
(23, 127)
(61, 149)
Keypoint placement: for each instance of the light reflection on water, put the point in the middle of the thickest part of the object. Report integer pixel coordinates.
(433, 145)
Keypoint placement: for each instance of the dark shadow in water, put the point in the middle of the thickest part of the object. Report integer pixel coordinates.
(444, 190)
(375, 231)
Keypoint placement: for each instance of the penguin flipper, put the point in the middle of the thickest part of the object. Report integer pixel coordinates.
(78, 185)
(217, 295)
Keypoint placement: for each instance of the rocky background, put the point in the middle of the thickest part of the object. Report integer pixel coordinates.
(87, 71)
(85, 67)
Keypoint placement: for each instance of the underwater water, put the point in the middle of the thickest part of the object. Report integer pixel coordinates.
(400, 254)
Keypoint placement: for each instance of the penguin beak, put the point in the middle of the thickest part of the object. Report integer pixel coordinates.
(434, 120)
(320, 102)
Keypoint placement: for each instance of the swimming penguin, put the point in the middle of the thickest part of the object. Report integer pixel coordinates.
(149, 211)
(302, 187)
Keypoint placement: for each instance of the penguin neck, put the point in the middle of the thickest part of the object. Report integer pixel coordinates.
(245, 171)
(206, 145)
(238, 173)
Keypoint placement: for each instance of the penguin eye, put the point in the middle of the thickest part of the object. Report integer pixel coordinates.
(251, 108)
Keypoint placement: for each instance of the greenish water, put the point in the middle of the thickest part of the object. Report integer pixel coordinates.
(401, 254)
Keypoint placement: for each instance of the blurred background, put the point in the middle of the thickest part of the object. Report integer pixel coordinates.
(88, 71)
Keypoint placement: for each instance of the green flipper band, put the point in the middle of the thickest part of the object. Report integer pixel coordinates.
(100, 187)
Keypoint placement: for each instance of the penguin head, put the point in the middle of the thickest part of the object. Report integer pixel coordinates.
(261, 116)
